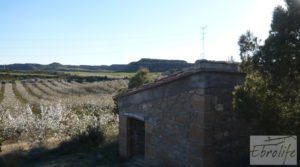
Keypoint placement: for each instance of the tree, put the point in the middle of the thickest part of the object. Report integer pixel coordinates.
(249, 46)
(143, 76)
(279, 57)
(270, 96)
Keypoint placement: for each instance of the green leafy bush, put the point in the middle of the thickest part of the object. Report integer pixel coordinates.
(143, 76)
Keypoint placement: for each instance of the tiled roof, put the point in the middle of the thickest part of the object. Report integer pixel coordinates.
(203, 66)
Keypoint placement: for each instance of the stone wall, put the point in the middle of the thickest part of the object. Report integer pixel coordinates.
(188, 122)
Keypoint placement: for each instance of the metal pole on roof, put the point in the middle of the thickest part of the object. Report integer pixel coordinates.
(202, 54)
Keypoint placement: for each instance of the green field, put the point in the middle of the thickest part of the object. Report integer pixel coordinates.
(102, 74)
(107, 74)
(20, 75)
(29, 73)
(17, 75)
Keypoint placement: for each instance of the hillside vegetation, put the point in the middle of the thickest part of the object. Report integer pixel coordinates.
(154, 65)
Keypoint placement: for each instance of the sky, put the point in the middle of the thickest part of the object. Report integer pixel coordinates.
(98, 32)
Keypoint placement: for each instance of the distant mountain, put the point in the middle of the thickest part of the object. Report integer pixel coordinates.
(154, 65)
(157, 65)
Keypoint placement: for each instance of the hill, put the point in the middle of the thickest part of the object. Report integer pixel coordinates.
(154, 65)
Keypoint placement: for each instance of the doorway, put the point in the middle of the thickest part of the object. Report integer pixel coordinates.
(136, 137)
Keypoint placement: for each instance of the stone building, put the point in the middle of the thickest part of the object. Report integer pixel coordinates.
(185, 119)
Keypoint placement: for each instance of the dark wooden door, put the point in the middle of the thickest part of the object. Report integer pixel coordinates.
(137, 137)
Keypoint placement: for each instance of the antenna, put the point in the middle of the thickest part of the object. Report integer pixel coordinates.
(202, 54)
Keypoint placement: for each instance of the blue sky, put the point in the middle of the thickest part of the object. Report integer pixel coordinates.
(117, 31)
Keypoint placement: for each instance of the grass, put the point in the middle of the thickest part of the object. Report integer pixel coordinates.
(114, 75)
(18, 94)
(103, 74)
(31, 92)
(41, 89)
(50, 88)
(19, 75)
(33, 106)
(86, 149)
(2, 92)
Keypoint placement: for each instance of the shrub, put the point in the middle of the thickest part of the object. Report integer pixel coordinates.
(143, 76)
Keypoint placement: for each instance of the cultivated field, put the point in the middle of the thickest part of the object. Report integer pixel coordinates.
(41, 111)
(108, 74)
(103, 74)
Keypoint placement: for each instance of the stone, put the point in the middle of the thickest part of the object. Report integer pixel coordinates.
(181, 119)
(178, 107)
(195, 161)
(198, 102)
(188, 120)
(219, 107)
(200, 92)
(196, 134)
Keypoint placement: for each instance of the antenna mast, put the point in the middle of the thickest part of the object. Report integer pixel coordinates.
(202, 54)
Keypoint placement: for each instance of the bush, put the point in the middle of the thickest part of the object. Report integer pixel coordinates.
(143, 76)
(92, 137)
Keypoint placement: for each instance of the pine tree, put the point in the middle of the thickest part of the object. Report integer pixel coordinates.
(270, 97)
